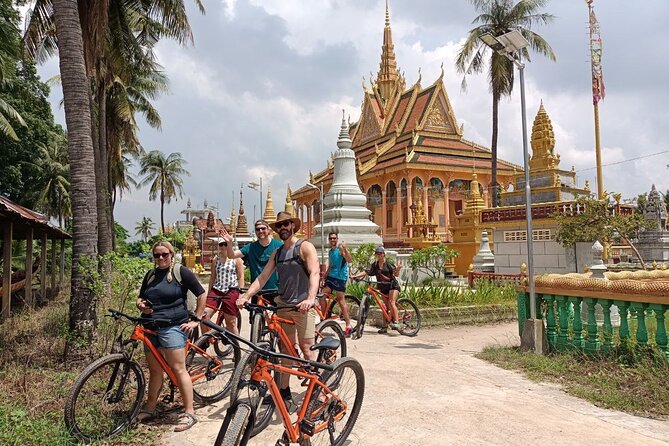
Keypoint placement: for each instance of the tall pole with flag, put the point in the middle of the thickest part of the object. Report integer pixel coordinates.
(598, 92)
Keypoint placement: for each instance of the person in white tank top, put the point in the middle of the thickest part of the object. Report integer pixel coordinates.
(226, 276)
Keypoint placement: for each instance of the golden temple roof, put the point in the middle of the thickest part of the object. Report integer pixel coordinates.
(242, 229)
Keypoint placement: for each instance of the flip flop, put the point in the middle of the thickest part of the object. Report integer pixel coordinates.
(186, 421)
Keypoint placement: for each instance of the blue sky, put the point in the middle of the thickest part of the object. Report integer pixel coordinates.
(260, 93)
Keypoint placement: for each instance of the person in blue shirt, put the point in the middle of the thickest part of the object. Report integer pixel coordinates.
(257, 253)
(337, 274)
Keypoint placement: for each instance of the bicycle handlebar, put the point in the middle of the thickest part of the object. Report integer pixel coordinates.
(250, 306)
(137, 320)
(369, 281)
(260, 351)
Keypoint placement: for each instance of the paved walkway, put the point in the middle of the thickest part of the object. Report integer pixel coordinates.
(431, 390)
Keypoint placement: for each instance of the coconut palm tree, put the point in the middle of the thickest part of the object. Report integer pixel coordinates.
(498, 17)
(144, 228)
(76, 99)
(9, 44)
(53, 169)
(163, 174)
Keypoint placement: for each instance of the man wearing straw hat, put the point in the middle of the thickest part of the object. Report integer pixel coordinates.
(296, 263)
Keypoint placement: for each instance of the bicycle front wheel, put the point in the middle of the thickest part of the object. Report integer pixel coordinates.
(334, 415)
(409, 317)
(105, 398)
(362, 315)
(210, 374)
(235, 430)
(222, 349)
(353, 304)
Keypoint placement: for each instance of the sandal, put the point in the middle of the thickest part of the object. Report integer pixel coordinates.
(185, 421)
(149, 416)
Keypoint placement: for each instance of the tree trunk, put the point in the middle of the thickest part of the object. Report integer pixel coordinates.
(162, 210)
(105, 229)
(493, 149)
(76, 98)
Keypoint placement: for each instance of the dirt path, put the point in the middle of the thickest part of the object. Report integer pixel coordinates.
(431, 390)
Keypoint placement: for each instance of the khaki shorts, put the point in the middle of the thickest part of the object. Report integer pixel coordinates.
(305, 324)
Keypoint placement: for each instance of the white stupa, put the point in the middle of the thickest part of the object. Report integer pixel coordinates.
(344, 209)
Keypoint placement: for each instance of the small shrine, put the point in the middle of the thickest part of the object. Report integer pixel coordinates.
(190, 251)
(653, 244)
(422, 233)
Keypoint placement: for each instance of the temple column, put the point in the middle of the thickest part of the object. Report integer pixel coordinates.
(447, 207)
(409, 203)
(383, 210)
(426, 202)
(308, 222)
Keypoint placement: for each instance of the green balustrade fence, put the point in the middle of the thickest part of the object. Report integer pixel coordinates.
(642, 319)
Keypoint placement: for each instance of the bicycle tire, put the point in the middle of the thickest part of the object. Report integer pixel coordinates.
(211, 375)
(362, 315)
(257, 327)
(89, 405)
(409, 317)
(222, 349)
(264, 409)
(330, 328)
(353, 304)
(347, 382)
(235, 428)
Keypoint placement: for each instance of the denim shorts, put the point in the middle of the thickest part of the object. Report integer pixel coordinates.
(169, 338)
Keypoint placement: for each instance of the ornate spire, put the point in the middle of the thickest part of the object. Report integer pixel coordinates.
(344, 141)
(269, 215)
(543, 143)
(232, 220)
(242, 229)
(388, 77)
(289, 202)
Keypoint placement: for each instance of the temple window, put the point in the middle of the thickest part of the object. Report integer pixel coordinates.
(391, 193)
(436, 190)
(374, 196)
(389, 218)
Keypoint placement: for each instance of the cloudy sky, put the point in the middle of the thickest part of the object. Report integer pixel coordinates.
(260, 93)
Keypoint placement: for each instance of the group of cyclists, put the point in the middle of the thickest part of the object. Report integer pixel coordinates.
(290, 266)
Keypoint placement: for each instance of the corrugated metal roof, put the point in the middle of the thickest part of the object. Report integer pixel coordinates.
(10, 211)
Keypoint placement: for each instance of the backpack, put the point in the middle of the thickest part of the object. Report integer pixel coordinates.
(176, 273)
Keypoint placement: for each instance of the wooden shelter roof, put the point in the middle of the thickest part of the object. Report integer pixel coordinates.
(25, 218)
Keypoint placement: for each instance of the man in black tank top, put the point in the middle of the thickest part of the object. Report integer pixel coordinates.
(299, 275)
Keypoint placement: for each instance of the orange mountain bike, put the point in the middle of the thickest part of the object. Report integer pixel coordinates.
(328, 308)
(327, 413)
(108, 393)
(408, 315)
(270, 335)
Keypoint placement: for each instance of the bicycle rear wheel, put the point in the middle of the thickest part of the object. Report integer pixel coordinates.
(255, 393)
(235, 430)
(330, 329)
(105, 398)
(353, 304)
(409, 317)
(211, 375)
(333, 418)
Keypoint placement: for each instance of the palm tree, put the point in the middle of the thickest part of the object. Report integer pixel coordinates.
(164, 176)
(53, 169)
(9, 44)
(498, 17)
(144, 228)
(76, 99)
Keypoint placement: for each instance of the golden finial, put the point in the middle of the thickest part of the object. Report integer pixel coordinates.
(654, 264)
(523, 268)
(663, 267)
(586, 268)
(387, 15)
(441, 76)
(470, 267)
(587, 186)
(289, 202)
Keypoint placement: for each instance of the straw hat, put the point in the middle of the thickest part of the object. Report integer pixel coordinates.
(285, 216)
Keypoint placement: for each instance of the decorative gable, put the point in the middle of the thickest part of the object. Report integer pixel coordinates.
(368, 126)
(440, 117)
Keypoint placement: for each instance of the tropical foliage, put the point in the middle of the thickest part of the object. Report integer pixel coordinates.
(144, 228)
(432, 260)
(498, 17)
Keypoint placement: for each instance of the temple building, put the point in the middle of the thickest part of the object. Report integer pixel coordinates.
(409, 147)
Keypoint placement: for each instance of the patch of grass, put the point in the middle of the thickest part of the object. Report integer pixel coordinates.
(36, 377)
(612, 382)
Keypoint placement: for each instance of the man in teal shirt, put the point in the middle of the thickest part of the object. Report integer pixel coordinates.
(337, 274)
(257, 253)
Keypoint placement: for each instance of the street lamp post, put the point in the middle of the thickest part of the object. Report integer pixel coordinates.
(320, 189)
(509, 45)
(258, 187)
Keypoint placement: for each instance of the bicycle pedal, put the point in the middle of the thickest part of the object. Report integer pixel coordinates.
(307, 427)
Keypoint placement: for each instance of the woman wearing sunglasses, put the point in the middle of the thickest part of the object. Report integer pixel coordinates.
(163, 298)
(227, 274)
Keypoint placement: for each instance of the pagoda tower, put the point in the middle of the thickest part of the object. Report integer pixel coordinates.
(344, 210)
(233, 220)
(289, 202)
(242, 229)
(269, 215)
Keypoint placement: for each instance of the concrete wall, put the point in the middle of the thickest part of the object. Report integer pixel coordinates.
(549, 256)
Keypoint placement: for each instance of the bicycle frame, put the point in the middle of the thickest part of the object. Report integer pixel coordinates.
(378, 297)
(261, 373)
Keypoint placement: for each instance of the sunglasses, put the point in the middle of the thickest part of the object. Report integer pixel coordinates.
(161, 255)
(332, 238)
(261, 228)
(283, 224)
(222, 244)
